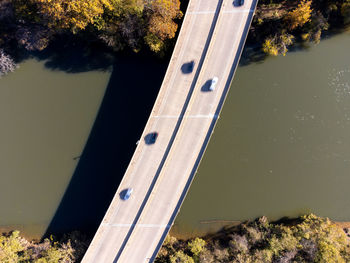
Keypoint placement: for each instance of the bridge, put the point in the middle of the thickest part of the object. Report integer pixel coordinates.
(184, 115)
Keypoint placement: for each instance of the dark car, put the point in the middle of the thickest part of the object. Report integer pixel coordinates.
(191, 66)
(153, 137)
(240, 2)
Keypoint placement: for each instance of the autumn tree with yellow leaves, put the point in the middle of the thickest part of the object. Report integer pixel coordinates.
(306, 239)
(161, 22)
(119, 23)
(299, 16)
(66, 14)
(278, 44)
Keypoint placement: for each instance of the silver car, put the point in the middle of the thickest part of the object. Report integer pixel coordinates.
(127, 194)
(213, 83)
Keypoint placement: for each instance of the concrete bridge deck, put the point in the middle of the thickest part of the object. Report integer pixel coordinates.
(184, 116)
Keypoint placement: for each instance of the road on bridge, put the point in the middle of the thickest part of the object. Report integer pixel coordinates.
(184, 115)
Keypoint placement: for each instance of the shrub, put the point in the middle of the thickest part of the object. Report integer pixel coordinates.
(16, 249)
(278, 44)
(181, 257)
(305, 239)
(7, 64)
(196, 246)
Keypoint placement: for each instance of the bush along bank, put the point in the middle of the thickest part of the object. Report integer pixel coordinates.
(31, 25)
(278, 25)
(16, 249)
(305, 239)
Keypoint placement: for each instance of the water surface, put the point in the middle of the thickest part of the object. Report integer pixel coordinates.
(282, 144)
(46, 117)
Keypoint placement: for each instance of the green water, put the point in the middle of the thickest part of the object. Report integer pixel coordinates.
(282, 144)
(45, 117)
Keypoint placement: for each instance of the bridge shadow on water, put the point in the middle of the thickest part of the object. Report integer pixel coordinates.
(129, 97)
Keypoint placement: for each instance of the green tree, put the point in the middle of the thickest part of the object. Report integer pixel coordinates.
(181, 257)
(196, 246)
(10, 248)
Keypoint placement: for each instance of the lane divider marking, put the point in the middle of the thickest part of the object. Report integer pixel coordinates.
(138, 225)
(238, 11)
(199, 116)
(224, 11)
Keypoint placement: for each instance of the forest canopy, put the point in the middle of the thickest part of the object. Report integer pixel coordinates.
(119, 24)
(31, 25)
(305, 239)
(278, 24)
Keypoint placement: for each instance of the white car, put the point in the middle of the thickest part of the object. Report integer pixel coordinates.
(213, 83)
(127, 194)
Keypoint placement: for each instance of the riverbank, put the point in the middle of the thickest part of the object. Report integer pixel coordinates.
(30, 28)
(214, 226)
(277, 26)
(15, 248)
(281, 25)
(304, 239)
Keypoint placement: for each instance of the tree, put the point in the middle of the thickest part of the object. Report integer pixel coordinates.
(196, 246)
(70, 14)
(314, 29)
(161, 25)
(181, 257)
(6, 63)
(163, 13)
(6, 9)
(33, 37)
(10, 246)
(345, 11)
(299, 16)
(278, 44)
(119, 23)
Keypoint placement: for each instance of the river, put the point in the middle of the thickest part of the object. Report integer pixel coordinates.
(46, 117)
(281, 146)
(69, 124)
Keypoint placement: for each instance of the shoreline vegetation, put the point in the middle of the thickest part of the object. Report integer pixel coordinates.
(15, 248)
(29, 27)
(304, 239)
(280, 24)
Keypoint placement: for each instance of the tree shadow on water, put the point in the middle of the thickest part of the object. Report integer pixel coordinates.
(74, 54)
(252, 54)
(129, 97)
